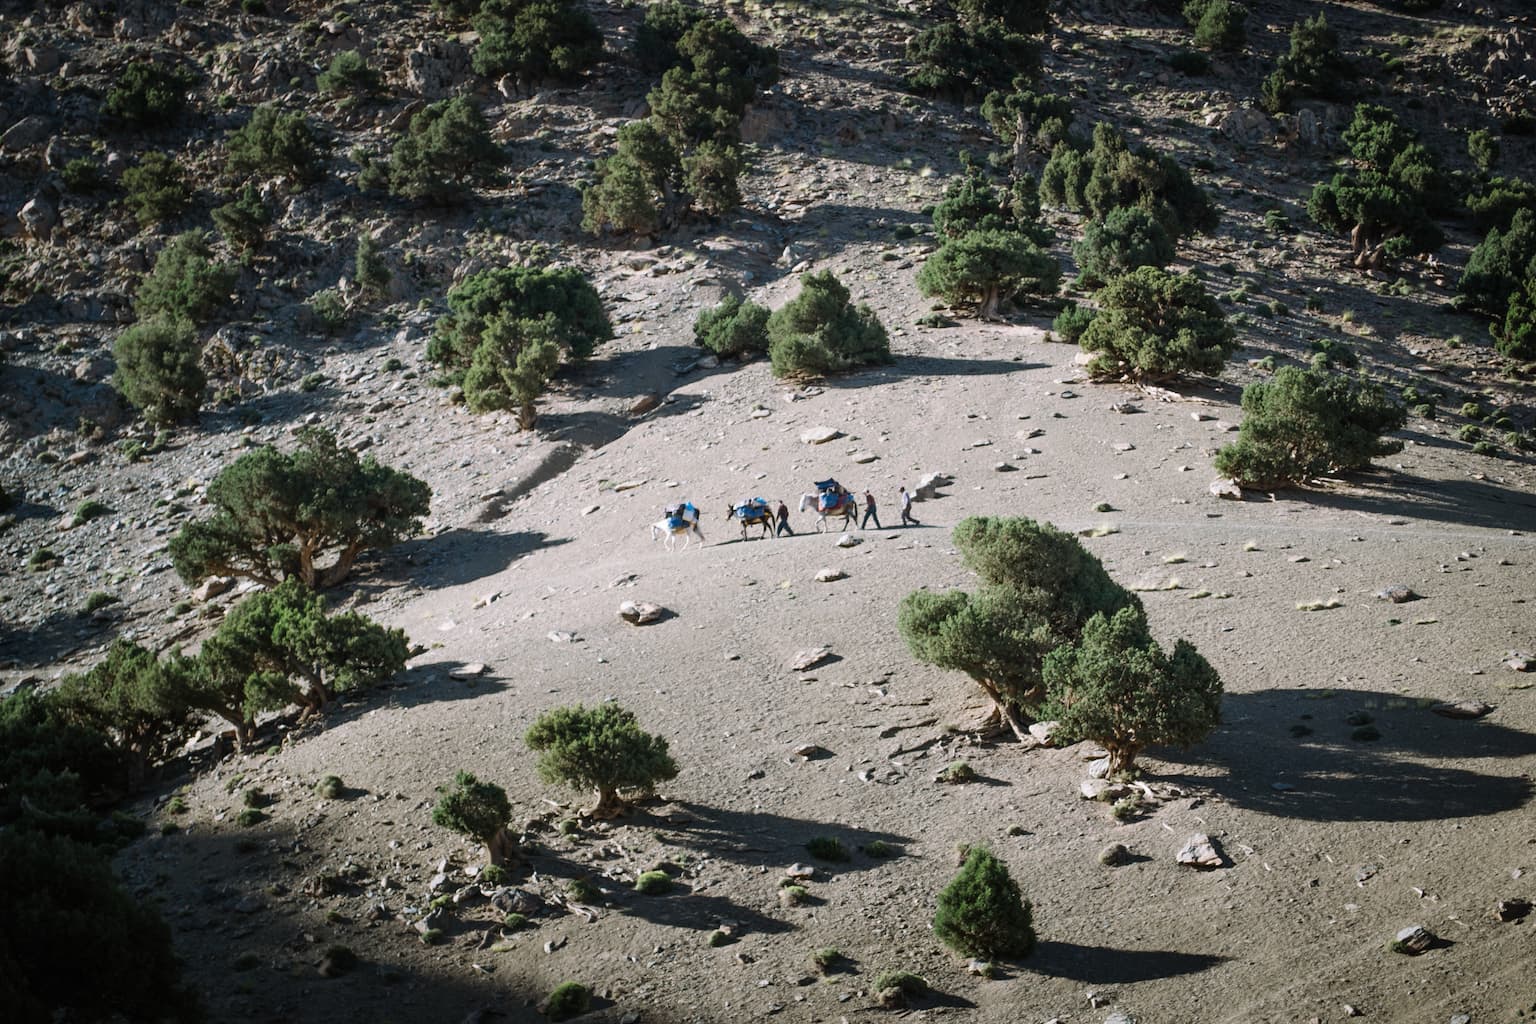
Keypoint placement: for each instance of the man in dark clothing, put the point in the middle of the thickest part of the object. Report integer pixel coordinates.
(783, 516)
(906, 509)
(869, 511)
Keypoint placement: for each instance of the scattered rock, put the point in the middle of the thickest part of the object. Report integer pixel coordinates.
(810, 658)
(1519, 662)
(1042, 732)
(864, 458)
(1412, 940)
(641, 613)
(1098, 769)
(848, 540)
(1103, 790)
(1461, 708)
(820, 435)
(1511, 910)
(213, 587)
(1199, 851)
(1398, 593)
(470, 671)
(561, 636)
(928, 486)
(1227, 488)
(811, 752)
(800, 872)
(1115, 855)
(644, 404)
(830, 575)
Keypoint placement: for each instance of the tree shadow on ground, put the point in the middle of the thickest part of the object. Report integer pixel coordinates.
(1461, 502)
(756, 837)
(595, 428)
(60, 635)
(1351, 755)
(1101, 965)
(452, 558)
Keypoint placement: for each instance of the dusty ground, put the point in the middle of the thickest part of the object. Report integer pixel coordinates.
(532, 547)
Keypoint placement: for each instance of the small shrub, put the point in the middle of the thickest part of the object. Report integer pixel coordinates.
(1472, 410)
(348, 75)
(514, 922)
(273, 143)
(433, 937)
(1483, 148)
(90, 509)
(1153, 325)
(1189, 62)
(185, 283)
(330, 787)
(494, 874)
(98, 600)
(447, 147)
(653, 883)
(477, 809)
(905, 981)
(1218, 24)
(957, 773)
(569, 999)
(981, 913)
(828, 848)
(328, 310)
(159, 369)
(583, 891)
(1276, 222)
(794, 895)
(820, 331)
(1072, 321)
(369, 270)
(250, 816)
(156, 189)
(1126, 808)
(733, 329)
(244, 220)
(881, 849)
(149, 94)
(827, 958)
(83, 176)
(1126, 238)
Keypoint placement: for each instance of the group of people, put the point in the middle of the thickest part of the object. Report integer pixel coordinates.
(905, 499)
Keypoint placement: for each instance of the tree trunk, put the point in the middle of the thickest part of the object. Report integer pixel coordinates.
(339, 569)
(1122, 758)
(502, 847)
(527, 415)
(987, 310)
(1005, 711)
(608, 803)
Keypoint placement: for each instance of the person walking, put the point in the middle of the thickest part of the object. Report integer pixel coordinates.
(869, 511)
(906, 508)
(783, 516)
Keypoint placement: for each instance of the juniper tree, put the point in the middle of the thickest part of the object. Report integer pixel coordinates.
(1115, 686)
(987, 267)
(447, 147)
(1152, 325)
(185, 282)
(601, 749)
(275, 143)
(1037, 587)
(733, 329)
(1124, 239)
(982, 913)
(479, 810)
(277, 514)
(159, 369)
(821, 331)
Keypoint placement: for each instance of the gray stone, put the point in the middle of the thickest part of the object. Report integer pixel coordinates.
(1226, 488)
(1114, 855)
(1461, 708)
(928, 486)
(1397, 593)
(1412, 940)
(810, 658)
(1042, 732)
(848, 540)
(641, 613)
(830, 575)
(1199, 851)
(38, 218)
(213, 587)
(29, 131)
(470, 671)
(1519, 661)
(1098, 769)
(820, 435)
(1512, 909)
(1103, 790)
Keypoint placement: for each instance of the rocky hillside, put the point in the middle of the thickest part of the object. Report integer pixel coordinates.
(535, 536)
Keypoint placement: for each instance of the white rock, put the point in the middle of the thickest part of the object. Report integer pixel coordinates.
(830, 575)
(1199, 851)
(641, 613)
(213, 586)
(470, 671)
(1042, 732)
(1226, 487)
(820, 435)
(809, 658)
(848, 540)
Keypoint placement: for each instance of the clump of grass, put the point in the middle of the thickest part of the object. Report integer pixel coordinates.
(1472, 410)
(827, 958)
(433, 937)
(250, 816)
(881, 849)
(494, 874)
(957, 773)
(570, 827)
(720, 937)
(1171, 583)
(97, 601)
(176, 805)
(514, 922)
(1101, 530)
(330, 787)
(1319, 606)
(653, 883)
(906, 981)
(42, 559)
(583, 891)
(1126, 808)
(794, 895)
(90, 509)
(827, 848)
(255, 797)
(569, 999)
(1485, 448)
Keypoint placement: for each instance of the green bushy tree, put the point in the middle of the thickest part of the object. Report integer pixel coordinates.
(149, 94)
(1026, 17)
(733, 329)
(636, 187)
(1038, 586)
(446, 148)
(717, 73)
(661, 29)
(1117, 687)
(1126, 238)
(711, 173)
(479, 810)
(348, 74)
(185, 282)
(136, 699)
(954, 61)
(1218, 24)
(1114, 174)
(159, 369)
(276, 514)
(156, 189)
(1499, 266)
(821, 331)
(1153, 325)
(1495, 204)
(1516, 336)
(1028, 122)
(244, 220)
(370, 272)
(533, 40)
(1313, 66)
(279, 647)
(65, 908)
(987, 266)
(508, 329)
(56, 767)
(1305, 423)
(981, 912)
(273, 143)
(1483, 148)
(601, 748)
